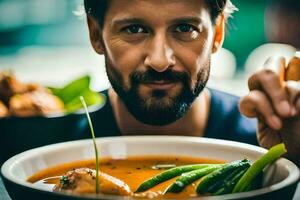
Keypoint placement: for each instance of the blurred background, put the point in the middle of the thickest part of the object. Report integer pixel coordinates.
(47, 42)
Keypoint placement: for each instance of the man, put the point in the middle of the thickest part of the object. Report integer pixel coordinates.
(157, 56)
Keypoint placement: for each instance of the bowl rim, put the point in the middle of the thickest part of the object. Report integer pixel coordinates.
(6, 169)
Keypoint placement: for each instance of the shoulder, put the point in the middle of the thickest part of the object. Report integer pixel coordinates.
(225, 120)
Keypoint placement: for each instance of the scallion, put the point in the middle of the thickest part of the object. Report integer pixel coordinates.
(94, 142)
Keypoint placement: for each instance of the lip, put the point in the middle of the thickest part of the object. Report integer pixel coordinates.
(161, 85)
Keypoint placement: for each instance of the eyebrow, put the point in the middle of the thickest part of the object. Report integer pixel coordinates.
(130, 20)
(187, 19)
(134, 20)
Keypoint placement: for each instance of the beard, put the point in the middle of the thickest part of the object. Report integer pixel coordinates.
(160, 108)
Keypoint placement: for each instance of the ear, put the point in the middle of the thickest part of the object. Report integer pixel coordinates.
(95, 34)
(219, 33)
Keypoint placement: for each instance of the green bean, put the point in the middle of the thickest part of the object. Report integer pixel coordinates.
(273, 154)
(189, 177)
(244, 164)
(168, 174)
(215, 179)
(256, 183)
(230, 181)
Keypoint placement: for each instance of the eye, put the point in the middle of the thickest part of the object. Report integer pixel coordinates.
(134, 29)
(184, 28)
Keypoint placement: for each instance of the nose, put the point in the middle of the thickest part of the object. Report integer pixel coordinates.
(160, 56)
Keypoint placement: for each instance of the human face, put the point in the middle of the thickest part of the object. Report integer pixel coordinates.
(157, 55)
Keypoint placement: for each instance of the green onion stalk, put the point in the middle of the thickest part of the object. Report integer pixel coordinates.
(94, 142)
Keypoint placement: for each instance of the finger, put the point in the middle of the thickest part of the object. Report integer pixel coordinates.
(267, 137)
(256, 104)
(293, 69)
(297, 104)
(292, 78)
(268, 81)
(293, 90)
(276, 64)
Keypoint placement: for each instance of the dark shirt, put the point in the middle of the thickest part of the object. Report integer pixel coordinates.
(224, 122)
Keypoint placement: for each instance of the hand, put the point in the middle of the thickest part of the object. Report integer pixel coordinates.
(276, 105)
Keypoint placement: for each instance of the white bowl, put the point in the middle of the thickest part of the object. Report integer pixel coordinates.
(280, 180)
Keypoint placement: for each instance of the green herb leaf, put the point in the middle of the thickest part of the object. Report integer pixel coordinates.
(90, 97)
(64, 180)
(55, 91)
(72, 90)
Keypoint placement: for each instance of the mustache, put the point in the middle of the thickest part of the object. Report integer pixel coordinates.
(151, 76)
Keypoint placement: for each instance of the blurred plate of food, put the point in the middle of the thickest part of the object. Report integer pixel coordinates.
(32, 115)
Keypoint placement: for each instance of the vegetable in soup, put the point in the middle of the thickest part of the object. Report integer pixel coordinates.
(154, 176)
(119, 176)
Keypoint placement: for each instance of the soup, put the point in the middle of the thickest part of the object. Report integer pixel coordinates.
(172, 177)
(133, 171)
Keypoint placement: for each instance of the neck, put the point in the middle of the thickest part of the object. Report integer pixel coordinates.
(193, 123)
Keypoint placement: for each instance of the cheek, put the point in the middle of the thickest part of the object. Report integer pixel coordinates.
(194, 56)
(123, 57)
(195, 60)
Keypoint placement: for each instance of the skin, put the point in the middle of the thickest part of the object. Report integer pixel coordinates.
(269, 102)
(161, 49)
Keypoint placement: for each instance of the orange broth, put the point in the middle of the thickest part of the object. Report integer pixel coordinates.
(133, 171)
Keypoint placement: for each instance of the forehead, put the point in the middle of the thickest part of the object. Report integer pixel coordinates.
(156, 10)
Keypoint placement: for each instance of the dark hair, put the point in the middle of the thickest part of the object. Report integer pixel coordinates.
(97, 8)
